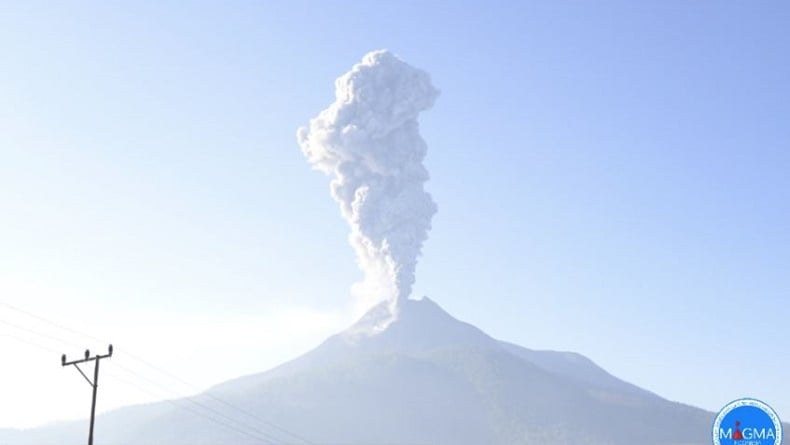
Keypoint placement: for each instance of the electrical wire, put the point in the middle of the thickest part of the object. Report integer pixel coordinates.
(228, 422)
(218, 418)
(193, 401)
(28, 342)
(220, 400)
(176, 403)
(39, 334)
(150, 381)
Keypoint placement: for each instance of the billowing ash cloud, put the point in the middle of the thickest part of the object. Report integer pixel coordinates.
(369, 141)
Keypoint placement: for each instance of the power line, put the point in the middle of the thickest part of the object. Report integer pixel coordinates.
(160, 370)
(94, 383)
(28, 342)
(202, 405)
(219, 400)
(39, 334)
(193, 411)
(50, 322)
(175, 402)
(143, 390)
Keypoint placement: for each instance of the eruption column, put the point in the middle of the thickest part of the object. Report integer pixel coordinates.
(368, 140)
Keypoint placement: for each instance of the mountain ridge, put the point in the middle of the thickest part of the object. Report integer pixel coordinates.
(406, 335)
(421, 376)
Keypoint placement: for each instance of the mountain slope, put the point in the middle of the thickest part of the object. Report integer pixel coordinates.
(424, 378)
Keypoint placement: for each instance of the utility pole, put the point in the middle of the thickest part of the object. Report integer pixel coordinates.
(94, 383)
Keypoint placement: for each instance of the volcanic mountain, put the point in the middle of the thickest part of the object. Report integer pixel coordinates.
(424, 378)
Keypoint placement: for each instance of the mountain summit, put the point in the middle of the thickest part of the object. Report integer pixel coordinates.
(416, 326)
(420, 377)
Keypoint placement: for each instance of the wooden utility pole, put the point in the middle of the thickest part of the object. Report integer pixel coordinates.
(94, 383)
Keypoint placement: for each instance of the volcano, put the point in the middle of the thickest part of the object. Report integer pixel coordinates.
(422, 377)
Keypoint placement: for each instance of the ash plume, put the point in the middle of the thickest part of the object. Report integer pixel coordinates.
(369, 142)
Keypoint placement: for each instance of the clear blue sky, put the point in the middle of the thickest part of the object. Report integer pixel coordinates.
(612, 179)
